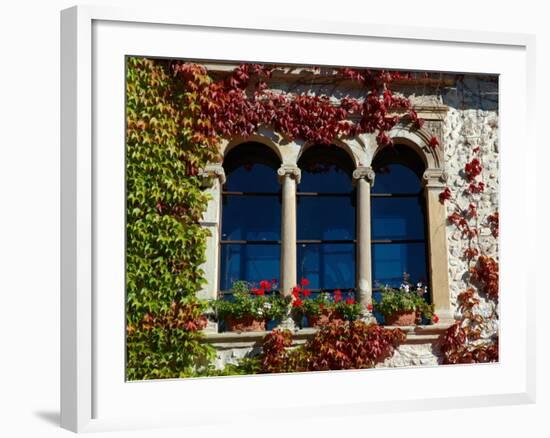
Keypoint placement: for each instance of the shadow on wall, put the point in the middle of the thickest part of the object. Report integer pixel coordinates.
(473, 92)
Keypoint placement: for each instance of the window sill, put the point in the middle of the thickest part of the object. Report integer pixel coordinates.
(428, 334)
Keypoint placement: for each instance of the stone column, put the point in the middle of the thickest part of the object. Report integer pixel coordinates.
(363, 177)
(289, 176)
(438, 255)
(211, 220)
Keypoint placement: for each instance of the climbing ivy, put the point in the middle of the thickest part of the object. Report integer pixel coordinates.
(165, 241)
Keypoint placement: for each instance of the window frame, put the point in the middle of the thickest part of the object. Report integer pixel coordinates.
(361, 149)
(345, 164)
(223, 193)
(411, 160)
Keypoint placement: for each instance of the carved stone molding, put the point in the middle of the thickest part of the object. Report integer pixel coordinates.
(365, 172)
(215, 171)
(289, 169)
(434, 178)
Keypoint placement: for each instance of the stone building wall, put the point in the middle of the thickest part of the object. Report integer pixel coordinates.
(470, 120)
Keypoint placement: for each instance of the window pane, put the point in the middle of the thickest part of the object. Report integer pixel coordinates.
(252, 177)
(329, 178)
(326, 218)
(326, 169)
(251, 218)
(397, 218)
(396, 178)
(327, 265)
(391, 260)
(248, 262)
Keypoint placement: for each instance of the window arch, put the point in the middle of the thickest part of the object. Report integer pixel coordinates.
(326, 219)
(398, 217)
(250, 244)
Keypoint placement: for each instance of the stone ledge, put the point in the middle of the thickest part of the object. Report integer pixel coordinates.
(428, 334)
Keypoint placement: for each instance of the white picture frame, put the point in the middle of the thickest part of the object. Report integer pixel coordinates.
(92, 393)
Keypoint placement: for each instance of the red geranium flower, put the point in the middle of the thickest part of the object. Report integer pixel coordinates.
(369, 307)
(297, 303)
(350, 301)
(304, 282)
(337, 295)
(296, 291)
(257, 291)
(435, 319)
(306, 292)
(264, 284)
(434, 142)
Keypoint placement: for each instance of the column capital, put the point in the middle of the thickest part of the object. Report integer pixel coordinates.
(291, 170)
(214, 171)
(365, 172)
(434, 178)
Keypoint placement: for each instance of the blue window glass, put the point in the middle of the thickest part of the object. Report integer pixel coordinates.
(327, 265)
(396, 178)
(398, 217)
(329, 176)
(251, 216)
(326, 219)
(248, 262)
(251, 167)
(391, 260)
(253, 177)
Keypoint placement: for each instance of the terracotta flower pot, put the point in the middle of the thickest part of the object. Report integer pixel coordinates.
(404, 317)
(244, 324)
(323, 319)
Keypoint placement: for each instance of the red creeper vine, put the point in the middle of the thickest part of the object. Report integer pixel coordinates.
(461, 343)
(241, 102)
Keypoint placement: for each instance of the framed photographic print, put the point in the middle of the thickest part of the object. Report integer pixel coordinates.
(323, 212)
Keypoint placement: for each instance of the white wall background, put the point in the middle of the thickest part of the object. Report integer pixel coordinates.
(29, 215)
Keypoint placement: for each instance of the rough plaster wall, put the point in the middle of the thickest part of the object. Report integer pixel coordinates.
(411, 355)
(232, 355)
(472, 121)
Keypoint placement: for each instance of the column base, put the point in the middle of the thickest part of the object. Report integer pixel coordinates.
(368, 318)
(287, 324)
(445, 316)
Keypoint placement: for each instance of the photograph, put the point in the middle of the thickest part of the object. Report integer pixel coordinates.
(232, 221)
(293, 218)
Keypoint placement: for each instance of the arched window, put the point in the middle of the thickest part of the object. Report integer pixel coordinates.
(250, 216)
(398, 217)
(326, 219)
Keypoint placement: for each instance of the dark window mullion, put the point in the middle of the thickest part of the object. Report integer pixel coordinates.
(396, 195)
(251, 193)
(327, 194)
(396, 241)
(322, 241)
(250, 242)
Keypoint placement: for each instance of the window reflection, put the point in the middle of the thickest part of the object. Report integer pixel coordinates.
(398, 217)
(250, 262)
(251, 216)
(326, 219)
(327, 265)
